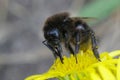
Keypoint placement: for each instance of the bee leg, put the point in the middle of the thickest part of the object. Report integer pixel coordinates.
(94, 46)
(77, 44)
(71, 51)
(59, 51)
(67, 44)
(54, 50)
(50, 47)
(69, 47)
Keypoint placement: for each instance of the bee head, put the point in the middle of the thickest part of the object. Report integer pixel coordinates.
(52, 36)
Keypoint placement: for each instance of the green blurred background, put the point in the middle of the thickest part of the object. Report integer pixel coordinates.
(21, 21)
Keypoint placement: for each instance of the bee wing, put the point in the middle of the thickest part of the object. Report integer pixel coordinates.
(88, 19)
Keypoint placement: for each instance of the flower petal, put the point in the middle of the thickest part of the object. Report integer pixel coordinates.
(115, 53)
(33, 77)
(94, 75)
(105, 73)
(43, 76)
(118, 69)
(87, 67)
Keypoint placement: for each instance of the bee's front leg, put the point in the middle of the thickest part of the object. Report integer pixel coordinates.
(50, 47)
(56, 51)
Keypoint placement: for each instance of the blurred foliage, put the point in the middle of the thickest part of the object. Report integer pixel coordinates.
(99, 9)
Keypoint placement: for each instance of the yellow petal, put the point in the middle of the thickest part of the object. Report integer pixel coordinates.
(33, 77)
(118, 69)
(105, 56)
(87, 67)
(115, 53)
(72, 77)
(43, 76)
(105, 73)
(94, 75)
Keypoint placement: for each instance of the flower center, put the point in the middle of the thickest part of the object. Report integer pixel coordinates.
(69, 64)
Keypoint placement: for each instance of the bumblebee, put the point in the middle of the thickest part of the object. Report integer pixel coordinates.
(72, 31)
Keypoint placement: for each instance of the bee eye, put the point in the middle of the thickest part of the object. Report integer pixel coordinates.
(53, 34)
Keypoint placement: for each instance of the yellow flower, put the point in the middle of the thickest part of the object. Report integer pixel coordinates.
(86, 68)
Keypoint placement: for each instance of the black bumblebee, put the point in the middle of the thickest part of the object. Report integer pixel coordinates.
(71, 31)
